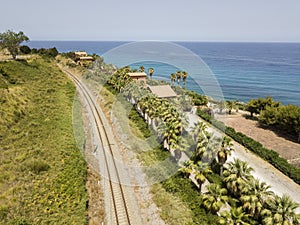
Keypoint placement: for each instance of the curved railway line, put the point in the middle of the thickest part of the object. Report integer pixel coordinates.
(118, 209)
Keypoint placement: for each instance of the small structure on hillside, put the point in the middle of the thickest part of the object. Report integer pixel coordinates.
(163, 91)
(139, 77)
(82, 58)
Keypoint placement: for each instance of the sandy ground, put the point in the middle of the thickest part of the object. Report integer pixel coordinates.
(286, 148)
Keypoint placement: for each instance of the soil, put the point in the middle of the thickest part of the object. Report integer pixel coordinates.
(286, 147)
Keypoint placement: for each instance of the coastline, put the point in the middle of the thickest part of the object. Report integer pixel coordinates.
(242, 76)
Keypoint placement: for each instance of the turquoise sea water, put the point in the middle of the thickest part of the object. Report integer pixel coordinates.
(243, 70)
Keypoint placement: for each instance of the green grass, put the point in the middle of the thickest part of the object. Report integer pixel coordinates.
(42, 172)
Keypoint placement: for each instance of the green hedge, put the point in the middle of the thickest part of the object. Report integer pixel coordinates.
(188, 193)
(269, 155)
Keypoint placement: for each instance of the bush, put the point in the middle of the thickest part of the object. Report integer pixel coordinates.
(3, 211)
(25, 49)
(51, 52)
(34, 51)
(36, 166)
(139, 122)
(189, 194)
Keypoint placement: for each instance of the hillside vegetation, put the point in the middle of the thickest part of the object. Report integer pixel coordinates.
(42, 172)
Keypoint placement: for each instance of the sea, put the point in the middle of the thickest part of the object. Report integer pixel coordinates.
(243, 71)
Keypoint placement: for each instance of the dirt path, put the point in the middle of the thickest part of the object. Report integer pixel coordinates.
(286, 148)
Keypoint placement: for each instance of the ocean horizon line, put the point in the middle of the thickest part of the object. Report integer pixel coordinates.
(176, 41)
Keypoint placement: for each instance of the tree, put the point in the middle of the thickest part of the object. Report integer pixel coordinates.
(235, 216)
(178, 76)
(25, 49)
(252, 107)
(221, 106)
(224, 152)
(258, 105)
(184, 76)
(201, 172)
(281, 211)
(188, 168)
(230, 105)
(141, 69)
(236, 176)
(201, 146)
(52, 52)
(12, 41)
(256, 196)
(215, 198)
(173, 78)
(150, 71)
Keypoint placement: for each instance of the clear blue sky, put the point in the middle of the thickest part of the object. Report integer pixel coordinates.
(198, 20)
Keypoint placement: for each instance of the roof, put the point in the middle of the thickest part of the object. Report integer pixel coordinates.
(163, 91)
(86, 58)
(138, 74)
(80, 53)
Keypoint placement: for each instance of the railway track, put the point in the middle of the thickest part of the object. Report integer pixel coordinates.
(117, 202)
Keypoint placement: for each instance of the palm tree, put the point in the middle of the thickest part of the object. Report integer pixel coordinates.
(173, 78)
(215, 198)
(235, 216)
(141, 69)
(184, 76)
(211, 149)
(281, 211)
(230, 105)
(221, 106)
(236, 176)
(188, 168)
(181, 147)
(255, 197)
(198, 128)
(224, 152)
(150, 71)
(201, 146)
(178, 76)
(201, 172)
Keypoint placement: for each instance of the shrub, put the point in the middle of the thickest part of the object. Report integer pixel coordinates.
(25, 49)
(3, 211)
(36, 166)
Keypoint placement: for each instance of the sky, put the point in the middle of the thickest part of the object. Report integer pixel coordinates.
(166, 20)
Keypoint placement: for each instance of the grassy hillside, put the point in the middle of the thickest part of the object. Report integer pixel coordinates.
(42, 173)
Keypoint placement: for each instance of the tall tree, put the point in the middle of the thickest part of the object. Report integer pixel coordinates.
(215, 198)
(236, 176)
(150, 71)
(184, 76)
(142, 69)
(12, 41)
(172, 78)
(188, 168)
(256, 196)
(230, 105)
(223, 153)
(281, 211)
(221, 106)
(178, 76)
(201, 172)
